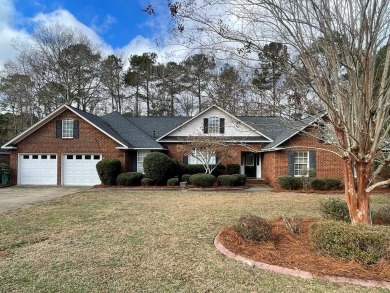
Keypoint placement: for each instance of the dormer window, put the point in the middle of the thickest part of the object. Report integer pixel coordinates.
(67, 128)
(214, 125)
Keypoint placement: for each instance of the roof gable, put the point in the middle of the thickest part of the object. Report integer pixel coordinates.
(234, 127)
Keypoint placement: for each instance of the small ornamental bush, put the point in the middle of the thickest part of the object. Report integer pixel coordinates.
(361, 243)
(382, 216)
(290, 182)
(319, 184)
(193, 169)
(335, 209)
(108, 170)
(130, 179)
(202, 180)
(233, 169)
(185, 178)
(253, 228)
(173, 182)
(227, 180)
(333, 183)
(218, 170)
(159, 167)
(241, 179)
(147, 182)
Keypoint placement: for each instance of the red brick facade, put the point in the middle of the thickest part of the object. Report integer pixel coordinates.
(43, 140)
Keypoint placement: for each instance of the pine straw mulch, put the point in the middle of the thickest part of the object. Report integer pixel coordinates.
(293, 251)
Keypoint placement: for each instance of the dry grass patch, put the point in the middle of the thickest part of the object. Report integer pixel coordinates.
(144, 241)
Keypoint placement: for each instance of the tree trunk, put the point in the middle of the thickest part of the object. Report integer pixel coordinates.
(358, 199)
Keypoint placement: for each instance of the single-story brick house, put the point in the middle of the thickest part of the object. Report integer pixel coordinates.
(64, 147)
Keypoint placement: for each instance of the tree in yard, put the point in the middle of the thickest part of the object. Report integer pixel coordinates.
(337, 42)
(208, 150)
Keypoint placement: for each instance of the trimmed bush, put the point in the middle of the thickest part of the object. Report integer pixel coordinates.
(333, 183)
(335, 209)
(227, 180)
(253, 228)
(185, 178)
(361, 243)
(218, 170)
(241, 179)
(290, 182)
(108, 170)
(319, 184)
(173, 182)
(129, 179)
(193, 169)
(202, 180)
(382, 216)
(159, 167)
(233, 169)
(147, 182)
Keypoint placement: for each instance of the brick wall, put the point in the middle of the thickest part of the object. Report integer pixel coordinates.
(328, 164)
(5, 158)
(90, 140)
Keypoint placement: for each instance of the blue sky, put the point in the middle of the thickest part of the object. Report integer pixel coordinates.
(118, 26)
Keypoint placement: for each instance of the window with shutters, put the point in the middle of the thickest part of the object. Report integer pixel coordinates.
(301, 163)
(67, 128)
(214, 126)
(140, 160)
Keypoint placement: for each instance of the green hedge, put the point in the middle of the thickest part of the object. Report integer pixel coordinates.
(129, 179)
(326, 184)
(147, 182)
(185, 178)
(195, 169)
(173, 182)
(382, 216)
(108, 170)
(290, 182)
(335, 209)
(241, 179)
(361, 243)
(159, 167)
(227, 180)
(202, 180)
(232, 169)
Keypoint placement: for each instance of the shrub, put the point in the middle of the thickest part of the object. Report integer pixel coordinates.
(218, 170)
(233, 169)
(202, 180)
(290, 182)
(319, 184)
(382, 216)
(227, 180)
(253, 228)
(108, 170)
(173, 182)
(241, 179)
(193, 169)
(129, 178)
(146, 181)
(185, 178)
(351, 242)
(159, 167)
(335, 209)
(333, 183)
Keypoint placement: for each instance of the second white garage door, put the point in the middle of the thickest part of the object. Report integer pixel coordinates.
(80, 169)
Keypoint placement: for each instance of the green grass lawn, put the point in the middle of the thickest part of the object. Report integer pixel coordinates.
(145, 241)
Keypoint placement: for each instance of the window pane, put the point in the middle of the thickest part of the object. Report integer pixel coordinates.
(198, 158)
(35, 156)
(52, 156)
(69, 157)
(140, 160)
(26, 157)
(44, 157)
(87, 157)
(67, 128)
(301, 163)
(213, 125)
(96, 157)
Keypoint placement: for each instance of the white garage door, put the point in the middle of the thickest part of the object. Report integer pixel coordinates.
(80, 169)
(38, 169)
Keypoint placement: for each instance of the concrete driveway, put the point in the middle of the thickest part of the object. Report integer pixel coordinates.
(23, 195)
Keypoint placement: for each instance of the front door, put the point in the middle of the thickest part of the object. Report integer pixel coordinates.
(250, 164)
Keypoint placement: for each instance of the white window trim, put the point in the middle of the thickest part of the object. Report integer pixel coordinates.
(192, 160)
(139, 161)
(214, 125)
(67, 133)
(307, 164)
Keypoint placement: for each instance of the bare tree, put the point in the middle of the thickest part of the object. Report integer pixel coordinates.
(337, 42)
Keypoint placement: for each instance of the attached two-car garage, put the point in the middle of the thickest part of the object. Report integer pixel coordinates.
(41, 169)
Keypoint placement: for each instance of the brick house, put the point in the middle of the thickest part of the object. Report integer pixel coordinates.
(64, 147)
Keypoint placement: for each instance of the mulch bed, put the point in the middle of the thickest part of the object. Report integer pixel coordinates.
(293, 251)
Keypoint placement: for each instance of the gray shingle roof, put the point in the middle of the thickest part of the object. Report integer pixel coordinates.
(135, 137)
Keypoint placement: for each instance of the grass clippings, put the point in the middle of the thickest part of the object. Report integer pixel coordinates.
(145, 241)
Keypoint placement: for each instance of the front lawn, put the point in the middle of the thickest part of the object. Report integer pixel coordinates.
(145, 241)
